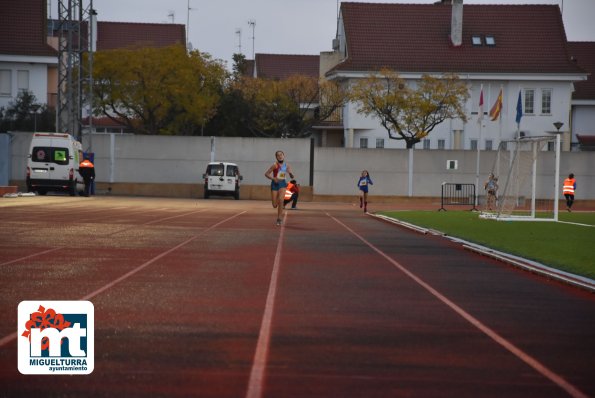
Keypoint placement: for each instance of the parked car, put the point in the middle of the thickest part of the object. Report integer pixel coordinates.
(222, 178)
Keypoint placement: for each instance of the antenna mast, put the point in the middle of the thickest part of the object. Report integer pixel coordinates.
(239, 33)
(252, 23)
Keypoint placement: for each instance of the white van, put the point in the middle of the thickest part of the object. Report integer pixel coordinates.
(222, 178)
(53, 163)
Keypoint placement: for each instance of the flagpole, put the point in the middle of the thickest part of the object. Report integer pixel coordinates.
(479, 120)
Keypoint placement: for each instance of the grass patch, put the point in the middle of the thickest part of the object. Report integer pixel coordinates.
(563, 246)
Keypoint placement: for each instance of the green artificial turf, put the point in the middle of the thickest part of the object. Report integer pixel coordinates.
(563, 246)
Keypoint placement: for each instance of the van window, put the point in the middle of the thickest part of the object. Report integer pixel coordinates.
(50, 155)
(232, 171)
(215, 170)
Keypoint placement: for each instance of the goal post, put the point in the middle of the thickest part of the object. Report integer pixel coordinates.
(527, 172)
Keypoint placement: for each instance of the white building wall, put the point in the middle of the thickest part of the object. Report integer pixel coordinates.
(534, 124)
(38, 80)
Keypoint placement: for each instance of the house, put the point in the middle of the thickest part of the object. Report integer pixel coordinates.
(27, 61)
(282, 66)
(29, 50)
(583, 98)
(509, 47)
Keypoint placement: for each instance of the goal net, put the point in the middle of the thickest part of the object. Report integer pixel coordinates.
(524, 171)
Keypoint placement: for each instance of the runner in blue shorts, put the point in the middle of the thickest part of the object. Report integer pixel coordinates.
(363, 183)
(277, 173)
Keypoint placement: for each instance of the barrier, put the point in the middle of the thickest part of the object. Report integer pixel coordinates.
(457, 194)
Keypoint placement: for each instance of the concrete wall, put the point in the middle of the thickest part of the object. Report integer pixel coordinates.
(173, 166)
(183, 160)
(5, 157)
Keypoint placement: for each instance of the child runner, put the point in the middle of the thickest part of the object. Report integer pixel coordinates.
(277, 173)
(362, 184)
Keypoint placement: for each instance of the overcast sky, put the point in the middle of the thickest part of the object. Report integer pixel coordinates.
(282, 26)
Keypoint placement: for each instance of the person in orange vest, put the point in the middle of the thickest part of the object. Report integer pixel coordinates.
(568, 191)
(87, 171)
(292, 194)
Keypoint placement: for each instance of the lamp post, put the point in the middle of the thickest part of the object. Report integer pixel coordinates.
(558, 126)
(35, 109)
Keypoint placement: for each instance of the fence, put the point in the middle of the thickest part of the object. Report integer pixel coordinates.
(457, 194)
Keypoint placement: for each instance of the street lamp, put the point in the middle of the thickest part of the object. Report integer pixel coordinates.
(558, 126)
(35, 109)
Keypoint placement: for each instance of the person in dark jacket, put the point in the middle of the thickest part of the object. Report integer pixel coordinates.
(87, 171)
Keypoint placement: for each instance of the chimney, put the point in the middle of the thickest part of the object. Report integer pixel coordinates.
(456, 23)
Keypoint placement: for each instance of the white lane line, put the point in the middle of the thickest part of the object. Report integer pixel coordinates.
(31, 255)
(155, 221)
(10, 337)
(532, 362)
(257, 374)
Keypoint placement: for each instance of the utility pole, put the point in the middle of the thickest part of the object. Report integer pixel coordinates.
(73, 43)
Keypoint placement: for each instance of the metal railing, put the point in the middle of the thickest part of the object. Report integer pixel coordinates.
(457, 195)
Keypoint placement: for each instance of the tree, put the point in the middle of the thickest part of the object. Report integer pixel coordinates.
(411, 113)
(289, 107)
(157, 90)
(26, 114)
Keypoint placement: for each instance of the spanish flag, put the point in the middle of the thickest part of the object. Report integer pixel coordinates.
(495, 111)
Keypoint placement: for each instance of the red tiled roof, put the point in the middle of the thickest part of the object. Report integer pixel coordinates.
(281, 66)
(103, 122)
(583, 53)
(118, 35)
(416, 38)
(22, 28)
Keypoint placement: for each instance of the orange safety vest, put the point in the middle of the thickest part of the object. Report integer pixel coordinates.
(568, 187)
(86, 163)
(289, 191)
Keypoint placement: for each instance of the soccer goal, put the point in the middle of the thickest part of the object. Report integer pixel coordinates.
(527, 172)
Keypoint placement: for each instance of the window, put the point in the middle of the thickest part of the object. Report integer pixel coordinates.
(474, 145)
(426, 144)
(215, 170)
(5, 82)
(50, 155)
(546, 101)
(232, 171)
(490, 40)
(363, 142)
(379, 142)
(476, 40)
(23, 80)
(441, 144)
(489, 145)
(529, 107)
(551, 146)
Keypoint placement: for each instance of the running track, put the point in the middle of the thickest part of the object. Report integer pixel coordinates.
(211, 299)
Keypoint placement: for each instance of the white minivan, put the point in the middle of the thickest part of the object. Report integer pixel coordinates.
(222, 178)
(53, 163)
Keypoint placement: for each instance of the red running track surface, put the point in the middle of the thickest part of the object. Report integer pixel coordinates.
(211, 299)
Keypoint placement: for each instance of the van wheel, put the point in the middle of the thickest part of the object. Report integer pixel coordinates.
(42, 192)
